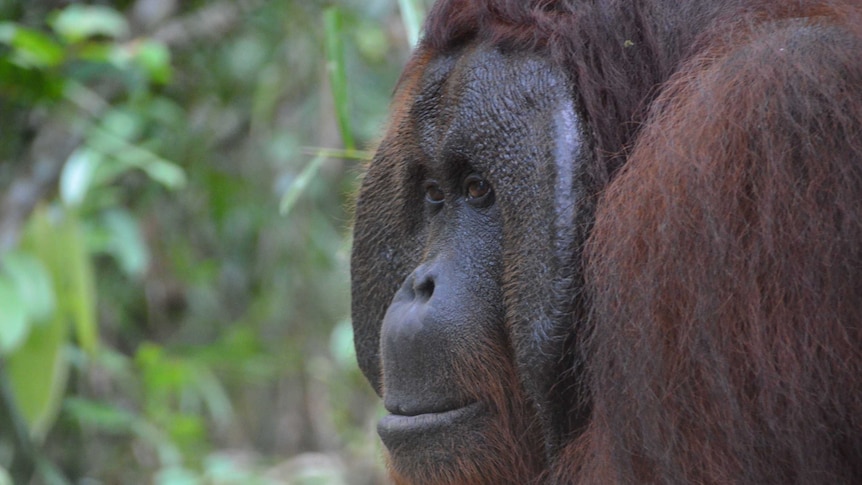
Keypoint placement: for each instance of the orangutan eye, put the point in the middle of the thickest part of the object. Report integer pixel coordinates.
(433, 193)
(477, 188)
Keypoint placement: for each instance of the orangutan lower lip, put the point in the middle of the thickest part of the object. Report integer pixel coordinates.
(394, 427)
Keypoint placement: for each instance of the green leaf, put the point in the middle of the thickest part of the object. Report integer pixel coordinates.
(78, 22)
(100, 416)
(77, 175)
(99, 52)
(155, 59)
(122, 123)
(335, 66)
(31, 47)
(79, 285)
(57, 239)
(299, 185)
(33, 283)
(125, 242)
(37, 373)
(131, 155)
(186, 429)
(213, 394)
(38, 369)
(28, 85)
(14, 325)
(161, 374)
(162, 171)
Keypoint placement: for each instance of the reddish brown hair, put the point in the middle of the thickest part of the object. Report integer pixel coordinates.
(724, 270)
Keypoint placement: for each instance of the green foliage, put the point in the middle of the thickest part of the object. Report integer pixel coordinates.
(26, 298)
(77, 23)
(54, 256)
(33, 284)
(81, 34)
(13, 317)
(27, 85)
(31, 48)
(179, 301)
(335, 65)
(47, 283)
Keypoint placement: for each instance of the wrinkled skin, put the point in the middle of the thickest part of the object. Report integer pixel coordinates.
(708, 329)
(467, 224)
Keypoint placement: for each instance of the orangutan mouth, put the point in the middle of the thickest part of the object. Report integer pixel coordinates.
(395, 428)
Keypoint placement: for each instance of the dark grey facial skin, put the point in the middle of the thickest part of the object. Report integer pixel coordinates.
(438, 273)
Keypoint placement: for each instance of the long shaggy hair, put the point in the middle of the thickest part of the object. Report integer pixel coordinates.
(724, 268)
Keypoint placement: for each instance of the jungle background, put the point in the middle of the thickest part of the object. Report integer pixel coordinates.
(175, 186)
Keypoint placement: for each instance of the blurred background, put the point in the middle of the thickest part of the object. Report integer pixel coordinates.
(175, 187)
